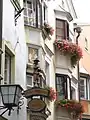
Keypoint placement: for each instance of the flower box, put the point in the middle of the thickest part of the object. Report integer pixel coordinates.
(75, 108)
(69, 49)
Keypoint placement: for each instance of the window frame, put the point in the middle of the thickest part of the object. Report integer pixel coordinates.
(8, 49)
(38, 14)
(65, 87)
(85, 88)
(8, 81)
(27, 85)
(65, 29)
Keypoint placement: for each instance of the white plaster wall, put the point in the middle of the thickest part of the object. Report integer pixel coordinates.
(13, 33)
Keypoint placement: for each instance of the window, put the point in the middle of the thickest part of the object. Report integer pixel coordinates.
(29, 81)
(7, 69)
(61, 86)
(8, 64)
(83, 88)
(47, 73)
(32, 54)
(86, 44)
(62, 29)
(45, 13)
(32, 13)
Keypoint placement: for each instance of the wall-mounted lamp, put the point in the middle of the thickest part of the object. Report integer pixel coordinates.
(11, 95)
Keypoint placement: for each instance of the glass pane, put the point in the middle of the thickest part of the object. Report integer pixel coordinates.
(59, 24)
(29, 4)
(32, 54)
(81, 88)
(6, 99)
(60, 96)
(7, 69)
(60, 32)
(11, 98)
(58, 88)
(25, 20)
(82, 82)
(18, 93)
(29, 80)
(16, 100)
(29, 13)
(4, 90)
(82, 94)
(25, 11)
(12, 89)
(59, 37)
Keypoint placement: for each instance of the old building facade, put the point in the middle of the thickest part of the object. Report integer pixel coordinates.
(25, 38)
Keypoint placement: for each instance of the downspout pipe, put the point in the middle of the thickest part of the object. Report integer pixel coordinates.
(78, 31)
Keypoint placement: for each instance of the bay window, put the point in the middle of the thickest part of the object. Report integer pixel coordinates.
(62, 86)
(62, 29)
(33, 13)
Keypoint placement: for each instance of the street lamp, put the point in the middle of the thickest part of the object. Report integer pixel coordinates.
(11, 95)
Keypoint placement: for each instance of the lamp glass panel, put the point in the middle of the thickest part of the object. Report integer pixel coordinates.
(18, 95)
(12, 90)
(11, 94)
(4, 90)
(5, 99)
(16, 100)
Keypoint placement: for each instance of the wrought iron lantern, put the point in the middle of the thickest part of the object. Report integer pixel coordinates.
(11, 95)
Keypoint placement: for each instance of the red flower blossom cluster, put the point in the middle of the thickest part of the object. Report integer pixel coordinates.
(48, 29)
(71, 49)
(52, 93)
(72, 105)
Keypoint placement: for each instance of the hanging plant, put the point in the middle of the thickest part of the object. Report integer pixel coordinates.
(73, 106)
(70, 49)
(48, 29)
(52, 93)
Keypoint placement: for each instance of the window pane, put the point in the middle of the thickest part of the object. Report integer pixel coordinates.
(60, 29)
(61, 87)
(59, 24)
(32, 54)
(47, 73)
(25, 11)
(82, 88)
(60, 32)
(29, 80)
(7, 69)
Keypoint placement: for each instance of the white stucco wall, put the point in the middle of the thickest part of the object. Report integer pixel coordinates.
(13, 34)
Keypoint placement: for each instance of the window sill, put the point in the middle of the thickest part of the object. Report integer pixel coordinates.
(82, 99)
(32, 27)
